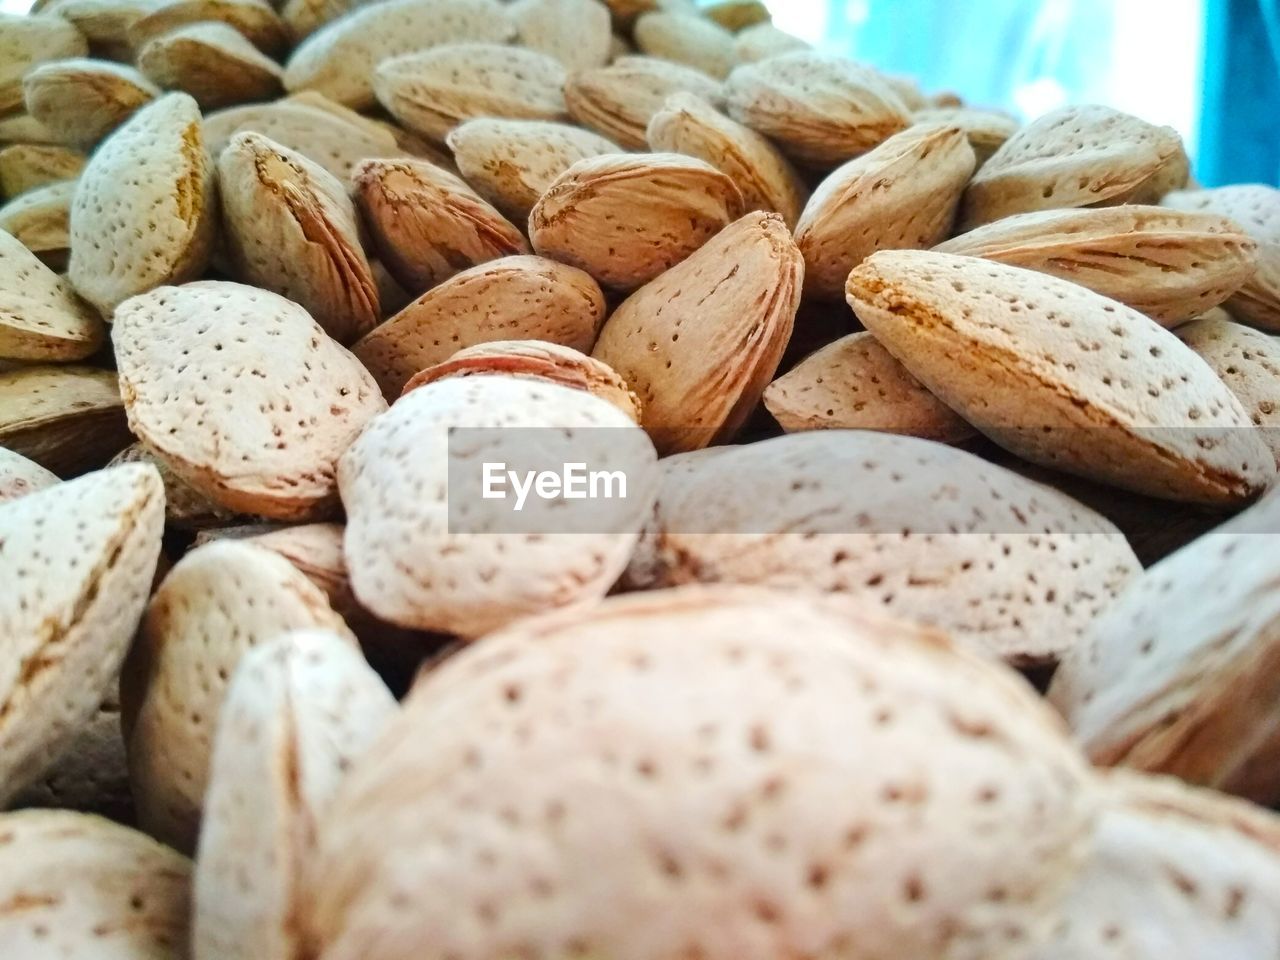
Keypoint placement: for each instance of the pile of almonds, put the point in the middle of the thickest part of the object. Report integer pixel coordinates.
(940, 620)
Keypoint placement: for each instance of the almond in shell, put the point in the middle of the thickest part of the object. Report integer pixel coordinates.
(24, 128)
(903, 195)
(987, 130)
(1169, 264)
(1062, 376)
(255, 19)
(40, 220)
(27, 41)
(105, 23)
(763, 40)
(427, 224)
(687, 38)
(41, 319)
(144, 213)
(700, 343)
(185, 508)
(68, 419)
(25, 166)
(81, 101)
(213, 62)
(20, 476)
(241, 393)
(689, 125)
(575, 32)
(521, 297)
(626, 218)
(77, 559)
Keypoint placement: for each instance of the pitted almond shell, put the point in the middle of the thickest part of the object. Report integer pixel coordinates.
(1062, 376)
(928, 533)
(1256, 208)
(690, 728)
(25, 166)
(619, 100)
(408, 562)
(903, 195)
(68, 419)
(1248, 361)
(737, 15)
(20, 476)
(625, 218)
(1072, 157)
(763, 40)
(255, 19)
(434, 90)
(1169, 264)
(689, 125)
(78, 561)
(292, 229)
(855, 384)
(1177, 676)
(700, 343)
(144, 213)
(821, 110)
(299, 712)
(185, 507)
(427, 224)
(575, 32)
(241, 393)
(218, 602)
(521, 297)
(81, 101)
(339, 60)
(987, 130)
(26, 42)
(40, 220)
(83, 886)
(687, 38)
(214, 63)
(511, 163)
(535, 360)
(41, 319)
(322, 131)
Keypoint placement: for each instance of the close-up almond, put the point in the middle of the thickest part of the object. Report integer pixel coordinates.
(41, 319)
(25, 166)
(20, 476)
(26, 42)
(81, 101)
(575, 32)
(40, 220)
(256, 20)
(213, 62)
(987, 130)
(67, 418)
(687, 38)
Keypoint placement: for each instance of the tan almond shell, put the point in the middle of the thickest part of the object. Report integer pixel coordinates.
(255, 19)
(407, 142)
(987, 130)
(292, 229)
(144, 213)
(1072, 157)
(214, 63)
(434, 90)
(856, 384)
(862, 792)
(81, 101)
(1256, 208)
(41, 319)
(20, 476)
(1248, 361)
(821, 110)
(40, 220)
(687, 38)
(241, 393)
(218, 601)
(305, 17)
(68, 419)
(575, 32)
(78, 563)
(1173, 873)
(737, 15)
(299, 712)
(535, 360)
(1177, 676)
(619, 100)
(902, 195)
(1062, 376)
(339, 60)
(700, 343)
(336, 141)
(688, 124)
(925, 531)
(764, 40)
(522, 297)
(1168, 264)
(25, 166)
(626, 218)
(23, 128)
(185, 507)
(26, 42)
(410, 565)
(82, 886)
(105, 23)
(427, 224)
(511, 163)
